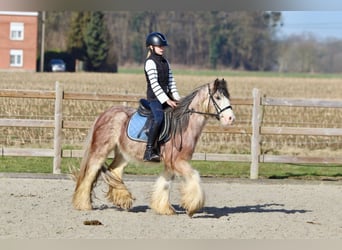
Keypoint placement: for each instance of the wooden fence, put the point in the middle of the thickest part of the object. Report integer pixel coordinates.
(256, 130)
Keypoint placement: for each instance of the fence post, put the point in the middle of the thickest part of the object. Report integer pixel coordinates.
(57, 143)
(255, 143)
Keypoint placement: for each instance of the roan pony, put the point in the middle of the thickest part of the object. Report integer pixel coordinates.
(109, 133)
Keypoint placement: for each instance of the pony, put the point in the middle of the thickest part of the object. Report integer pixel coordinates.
(109, 134)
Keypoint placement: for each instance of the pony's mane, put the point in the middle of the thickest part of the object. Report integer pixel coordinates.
(181, 114)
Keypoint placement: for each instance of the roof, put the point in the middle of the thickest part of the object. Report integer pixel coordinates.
(18, 13)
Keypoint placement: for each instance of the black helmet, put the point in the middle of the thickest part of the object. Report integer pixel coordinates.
(156, 39)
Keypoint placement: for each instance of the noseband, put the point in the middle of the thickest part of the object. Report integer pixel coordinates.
(217, 107)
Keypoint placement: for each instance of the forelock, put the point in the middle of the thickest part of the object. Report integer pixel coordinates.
(221, 87)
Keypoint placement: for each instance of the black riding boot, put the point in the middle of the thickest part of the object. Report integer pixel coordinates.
(150, 153)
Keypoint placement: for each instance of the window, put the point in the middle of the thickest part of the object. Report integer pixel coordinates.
(17, 31)
(16, 58)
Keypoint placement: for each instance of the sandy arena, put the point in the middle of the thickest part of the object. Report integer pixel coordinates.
(39, 207)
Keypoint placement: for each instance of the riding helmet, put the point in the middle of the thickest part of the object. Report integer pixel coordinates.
(156, 39)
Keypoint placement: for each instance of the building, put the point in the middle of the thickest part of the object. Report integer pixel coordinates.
(18, 41)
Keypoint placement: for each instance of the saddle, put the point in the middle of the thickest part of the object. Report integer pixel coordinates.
(139, 124)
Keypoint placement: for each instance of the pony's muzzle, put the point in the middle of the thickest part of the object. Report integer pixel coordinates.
(227, 119)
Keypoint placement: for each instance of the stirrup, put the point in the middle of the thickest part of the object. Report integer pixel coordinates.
(155, 158)
(150, 156)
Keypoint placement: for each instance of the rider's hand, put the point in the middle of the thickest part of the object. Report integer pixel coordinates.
(171, 103)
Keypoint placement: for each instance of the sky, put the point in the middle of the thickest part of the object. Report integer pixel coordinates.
(323, 24)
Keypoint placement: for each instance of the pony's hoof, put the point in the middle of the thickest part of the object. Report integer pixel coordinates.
(190, 214)
(126, 204)
(121, 198)
(168, 210)
(190, 211)
(83, 207)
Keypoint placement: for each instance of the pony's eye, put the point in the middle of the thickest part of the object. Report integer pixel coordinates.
(218, 97)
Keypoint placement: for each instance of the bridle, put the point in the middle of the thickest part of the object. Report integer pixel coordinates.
(216, 115)
(217, 107)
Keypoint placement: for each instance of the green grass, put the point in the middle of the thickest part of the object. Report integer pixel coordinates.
(206, 168)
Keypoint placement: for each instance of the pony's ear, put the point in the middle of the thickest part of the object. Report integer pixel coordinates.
(216, 84)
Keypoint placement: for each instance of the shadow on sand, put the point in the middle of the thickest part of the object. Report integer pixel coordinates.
(217, 212)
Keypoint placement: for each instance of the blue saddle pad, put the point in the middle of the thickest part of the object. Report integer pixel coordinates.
(135, 128)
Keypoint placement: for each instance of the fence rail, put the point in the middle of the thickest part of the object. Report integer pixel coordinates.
(256, 130)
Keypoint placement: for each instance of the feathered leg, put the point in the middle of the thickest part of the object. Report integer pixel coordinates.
(160, 199)
(192, 194)
(118, 193)
(82, 195)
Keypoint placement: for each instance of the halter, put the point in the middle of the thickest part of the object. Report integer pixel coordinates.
(217, 107)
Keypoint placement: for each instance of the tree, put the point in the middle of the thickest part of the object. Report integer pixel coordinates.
(137, 25)
(238, 40)
(219, 35)
(331, 56)
(76, 45)
(243, 40)
(300, 53)
(56, 23)
(95, 39)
